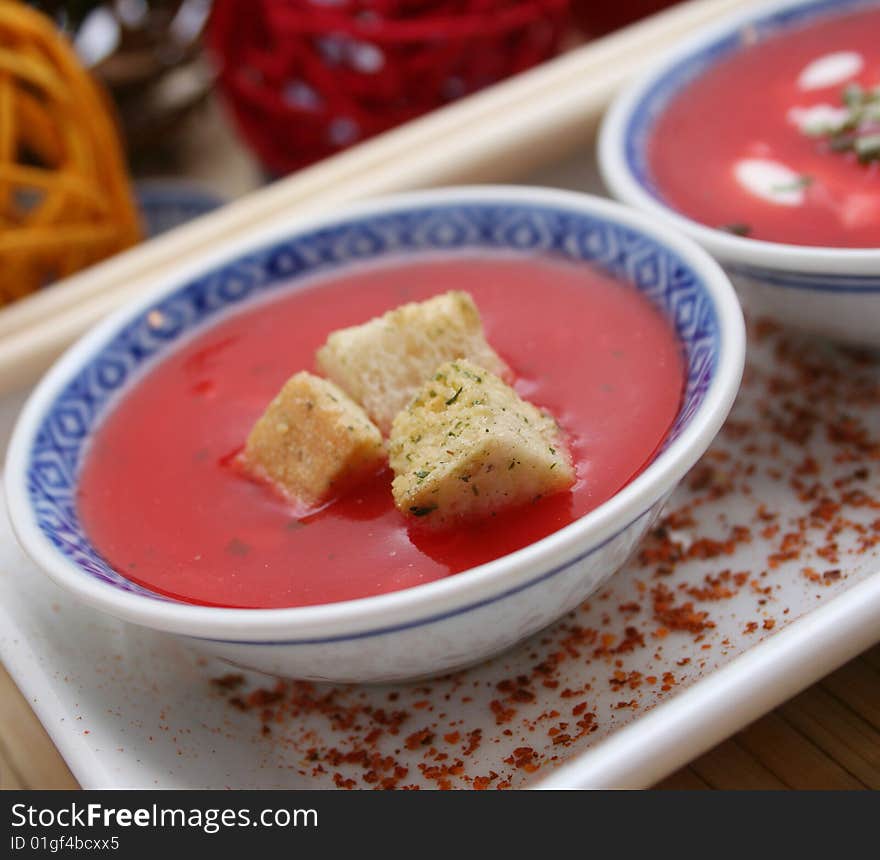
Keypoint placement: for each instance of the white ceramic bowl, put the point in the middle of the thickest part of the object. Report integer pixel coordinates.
(830, 291)
(431, 628)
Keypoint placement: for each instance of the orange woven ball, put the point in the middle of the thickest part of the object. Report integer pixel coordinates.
(65, 199)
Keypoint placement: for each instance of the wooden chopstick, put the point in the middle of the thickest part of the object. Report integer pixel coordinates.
(498, 134)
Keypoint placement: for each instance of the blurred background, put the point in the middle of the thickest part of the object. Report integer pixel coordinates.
(122, 118)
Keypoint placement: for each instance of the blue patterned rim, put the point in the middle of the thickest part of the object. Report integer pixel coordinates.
(65, 426)
(627, 132)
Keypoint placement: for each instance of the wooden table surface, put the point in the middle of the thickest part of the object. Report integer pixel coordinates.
(828, 737)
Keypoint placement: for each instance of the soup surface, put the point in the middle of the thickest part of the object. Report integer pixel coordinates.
(163, 504)
(781, 140)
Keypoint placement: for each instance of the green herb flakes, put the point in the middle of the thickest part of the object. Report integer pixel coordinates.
(454, 396)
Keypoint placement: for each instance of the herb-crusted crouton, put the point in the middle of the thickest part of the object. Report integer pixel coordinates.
(313, 441)
(382, 363)
(468, 446)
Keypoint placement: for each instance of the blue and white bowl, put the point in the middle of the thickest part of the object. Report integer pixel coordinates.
(829, 291)
(431, 628)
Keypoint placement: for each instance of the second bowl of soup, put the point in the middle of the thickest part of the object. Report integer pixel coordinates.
(760, 138)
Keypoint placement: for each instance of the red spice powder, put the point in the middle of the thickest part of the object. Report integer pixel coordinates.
(787, 496)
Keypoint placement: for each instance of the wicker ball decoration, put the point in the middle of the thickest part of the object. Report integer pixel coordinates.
(306, 78)
(65, 200)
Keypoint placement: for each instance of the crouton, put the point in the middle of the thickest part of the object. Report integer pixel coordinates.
(468, 446)
(312, 442)
(383, 362)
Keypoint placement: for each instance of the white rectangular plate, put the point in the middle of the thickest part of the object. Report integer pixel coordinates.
(761, 582)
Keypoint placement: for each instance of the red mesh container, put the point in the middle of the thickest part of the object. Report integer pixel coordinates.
(598, 17)
(306, 78)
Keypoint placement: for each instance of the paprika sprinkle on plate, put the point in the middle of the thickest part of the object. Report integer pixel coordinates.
(806, 426)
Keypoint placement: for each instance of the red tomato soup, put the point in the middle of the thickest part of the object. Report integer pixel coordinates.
(162, 504)
(781, 140)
